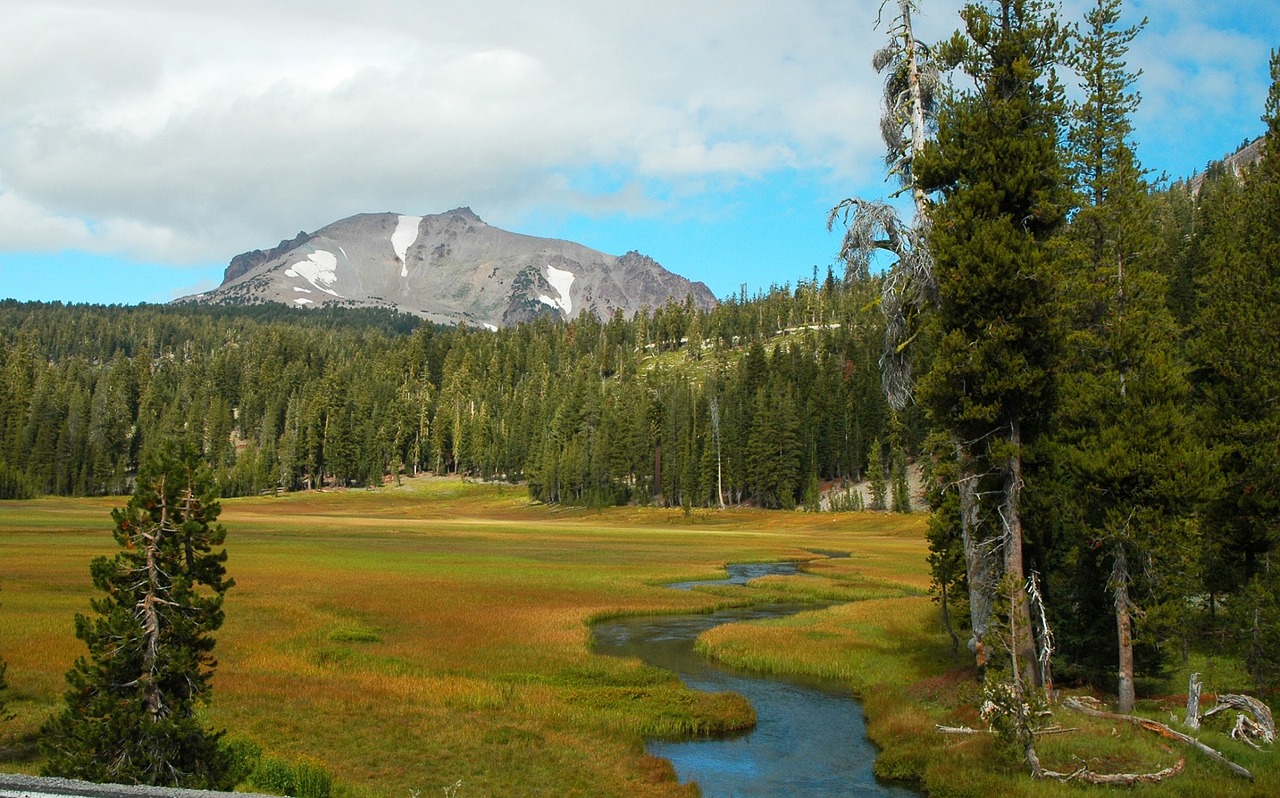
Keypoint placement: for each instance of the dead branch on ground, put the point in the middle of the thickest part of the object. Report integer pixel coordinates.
(940, 729)
(1083, 773)
(1159, 728)
(1261, 727)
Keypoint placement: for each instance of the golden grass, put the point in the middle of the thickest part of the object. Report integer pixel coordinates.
(410, 637)
(894, 654)
(413, 636)
(876, 642)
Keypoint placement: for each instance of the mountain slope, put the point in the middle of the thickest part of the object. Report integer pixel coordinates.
(451, 268)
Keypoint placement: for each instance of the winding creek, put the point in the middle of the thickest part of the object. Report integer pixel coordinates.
(810, 739)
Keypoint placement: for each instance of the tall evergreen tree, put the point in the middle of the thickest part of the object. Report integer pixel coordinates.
(1136, 467)
(130, 715)
(1235, 350)
(997, 166)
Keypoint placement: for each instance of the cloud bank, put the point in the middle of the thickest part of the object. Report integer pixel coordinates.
(180, 132)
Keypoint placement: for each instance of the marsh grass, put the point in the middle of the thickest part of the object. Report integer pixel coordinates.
(355, 634)
(431, 632)
(894, 655)
(438, 631)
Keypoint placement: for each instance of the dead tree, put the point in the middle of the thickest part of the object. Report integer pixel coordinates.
(1254, 721)
(1192, 720)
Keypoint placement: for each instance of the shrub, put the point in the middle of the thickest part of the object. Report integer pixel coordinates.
(242, 756)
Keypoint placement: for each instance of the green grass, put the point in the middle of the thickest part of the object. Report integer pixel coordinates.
(404, 639)
(895, 656)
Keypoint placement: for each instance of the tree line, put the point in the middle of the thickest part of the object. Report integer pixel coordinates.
(761, 400)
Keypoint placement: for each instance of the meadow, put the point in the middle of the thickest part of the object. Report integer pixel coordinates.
(408, 638)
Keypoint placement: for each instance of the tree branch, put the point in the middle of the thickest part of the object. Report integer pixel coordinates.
(1160, 729)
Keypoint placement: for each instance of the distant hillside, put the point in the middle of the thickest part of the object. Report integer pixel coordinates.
(1237, 163)
(450, 268)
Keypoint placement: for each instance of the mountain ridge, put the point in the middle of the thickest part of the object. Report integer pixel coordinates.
(450, 268)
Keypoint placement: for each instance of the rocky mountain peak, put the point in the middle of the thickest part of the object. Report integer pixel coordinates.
(450, 268)
(464, 213)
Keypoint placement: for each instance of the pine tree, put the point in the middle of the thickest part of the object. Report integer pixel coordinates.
(1235, 349)
(1135, 465)
(901, 480)
(997, 166)
(946, 552)
(877, 478)
(130, 715)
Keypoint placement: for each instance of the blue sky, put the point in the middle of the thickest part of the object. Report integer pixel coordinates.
(143, 143)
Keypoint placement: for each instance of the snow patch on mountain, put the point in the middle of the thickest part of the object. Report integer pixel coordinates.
(319, 267)
(478, 274)
(562, 281)
(406, 233)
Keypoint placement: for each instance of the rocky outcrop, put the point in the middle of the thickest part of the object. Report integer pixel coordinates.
(1236, 164)
(450, 268)
(246, 262)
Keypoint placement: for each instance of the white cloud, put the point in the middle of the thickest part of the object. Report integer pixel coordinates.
(25, 225)
(188, 131)
(28, 226)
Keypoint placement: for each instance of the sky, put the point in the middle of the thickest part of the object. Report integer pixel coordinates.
(144, 143)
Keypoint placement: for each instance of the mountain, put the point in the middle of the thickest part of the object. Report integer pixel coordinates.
(1246, 156)
(450, 268)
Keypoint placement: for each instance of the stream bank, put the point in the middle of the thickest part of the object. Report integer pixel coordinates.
(810, 738)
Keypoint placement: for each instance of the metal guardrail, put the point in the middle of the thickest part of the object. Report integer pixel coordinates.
(14, 785)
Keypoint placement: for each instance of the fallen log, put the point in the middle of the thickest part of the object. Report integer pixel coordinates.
(1083, 773)
(940, 729)
(1160, 729)
(1263, 726)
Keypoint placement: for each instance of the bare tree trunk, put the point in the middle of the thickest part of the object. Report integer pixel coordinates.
(715, 424)
(917, 104)
(1011, 529)
(1124, 630)
(946, 620)
(1044, 635)
(1192, 720)
(979, 568)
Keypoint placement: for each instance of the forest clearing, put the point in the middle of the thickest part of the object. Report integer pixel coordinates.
(406, 638)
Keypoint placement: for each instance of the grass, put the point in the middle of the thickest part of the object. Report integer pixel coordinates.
(894, 655)
(404, 639)
(409, 637)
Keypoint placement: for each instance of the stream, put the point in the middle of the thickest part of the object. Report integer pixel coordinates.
(810, 738)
